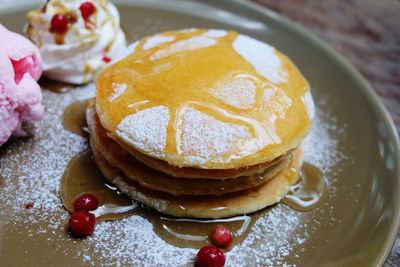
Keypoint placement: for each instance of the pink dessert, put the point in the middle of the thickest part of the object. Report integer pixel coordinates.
(20, 95)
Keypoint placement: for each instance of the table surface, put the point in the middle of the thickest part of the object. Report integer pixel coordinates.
(367, 33)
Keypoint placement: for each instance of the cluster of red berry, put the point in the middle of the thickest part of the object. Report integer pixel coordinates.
(211, 256)
(82, 222)
(61, 22)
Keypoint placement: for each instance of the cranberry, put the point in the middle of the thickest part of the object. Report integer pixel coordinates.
(29, 206)
(86, 202)
(210, 256)
(221, 236)
(82, 223)
(106, 59)
(87, 9)
(60, 23)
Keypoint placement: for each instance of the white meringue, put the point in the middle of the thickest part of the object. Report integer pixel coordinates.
(77, 56)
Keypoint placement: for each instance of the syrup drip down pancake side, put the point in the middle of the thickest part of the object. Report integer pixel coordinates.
(150, 178)
(205, 99)
(206, 207)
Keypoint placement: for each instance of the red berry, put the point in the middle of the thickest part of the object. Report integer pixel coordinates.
(82, 223)
(210, 256)
(221, 236)
(29, 206)
(86, 202)
(106, 59)
(87, 9)
(59, 23)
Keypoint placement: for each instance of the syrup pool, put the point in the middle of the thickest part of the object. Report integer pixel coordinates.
(309, 192)
(82, 176)
(74, 118)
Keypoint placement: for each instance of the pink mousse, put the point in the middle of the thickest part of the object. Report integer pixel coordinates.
(20, 95)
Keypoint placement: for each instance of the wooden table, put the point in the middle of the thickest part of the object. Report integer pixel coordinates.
(367, 33)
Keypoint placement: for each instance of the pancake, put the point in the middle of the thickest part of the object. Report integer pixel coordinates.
(204, 99)
(186, 172)
(190, 172)
(150, 178)
(206, 207)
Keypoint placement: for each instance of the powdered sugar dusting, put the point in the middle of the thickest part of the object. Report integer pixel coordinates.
(119, 89)
(129, 50)
(275, 236)
(214, 33)
(239, 92)
(319, 141)
(188, 30)
(275, 103)
(32, 169)
(309, 104)
(193, 43)
(157, 40)
(146, 130)
(134, 243)
(39, 162)
(262, 57)
(204, 137)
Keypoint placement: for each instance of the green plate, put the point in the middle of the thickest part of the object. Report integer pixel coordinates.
(358, 151)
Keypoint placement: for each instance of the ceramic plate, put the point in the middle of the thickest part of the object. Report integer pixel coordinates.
(353, 142)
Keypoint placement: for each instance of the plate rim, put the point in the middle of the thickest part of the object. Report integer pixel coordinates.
(364, 87)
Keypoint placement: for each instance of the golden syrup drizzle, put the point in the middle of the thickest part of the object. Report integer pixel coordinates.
(82, 176)
(59, 38)
(74, 118)
(55, 86)
(184, 78)
(309, 192)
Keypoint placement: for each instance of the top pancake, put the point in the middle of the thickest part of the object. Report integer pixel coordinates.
(208, 99)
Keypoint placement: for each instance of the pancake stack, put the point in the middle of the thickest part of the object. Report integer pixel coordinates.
(201, 123)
